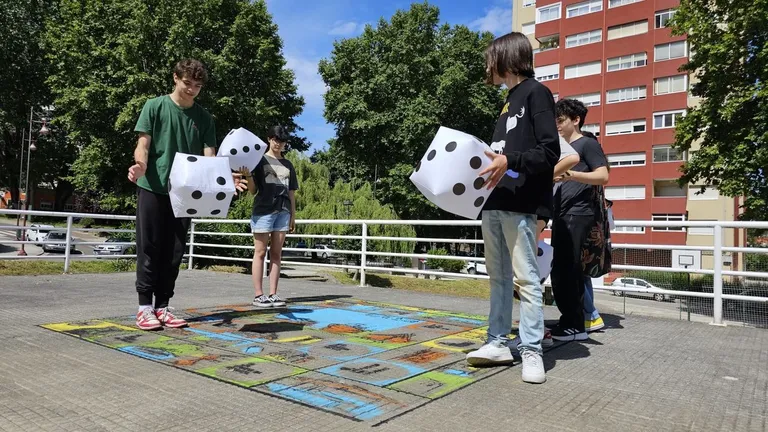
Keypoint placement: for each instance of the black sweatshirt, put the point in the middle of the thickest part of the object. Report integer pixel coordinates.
(527, 134)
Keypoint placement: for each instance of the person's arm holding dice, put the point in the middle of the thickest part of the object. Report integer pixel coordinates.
(569, 158)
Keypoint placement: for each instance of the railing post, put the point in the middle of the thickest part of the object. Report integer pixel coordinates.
(67, 255)
(191, 244)
(717, 283)
(363, 256)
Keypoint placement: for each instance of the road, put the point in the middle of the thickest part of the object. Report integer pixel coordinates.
(32, 250)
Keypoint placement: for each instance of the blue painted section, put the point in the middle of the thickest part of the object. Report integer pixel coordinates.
(335, 370)
(457, 372)
(365, 308)
(321, 318)
(138, 351)
(329, 400)
(252, 349)
(371, 350)
(468, 321)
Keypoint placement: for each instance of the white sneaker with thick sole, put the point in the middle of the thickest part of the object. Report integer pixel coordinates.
(533, 368)
(492, 353)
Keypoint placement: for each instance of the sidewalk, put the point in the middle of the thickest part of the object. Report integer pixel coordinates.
(640, 374)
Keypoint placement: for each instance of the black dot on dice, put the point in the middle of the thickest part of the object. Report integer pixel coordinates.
(541, 252)
(431, 155)
(233, 151)
(246, 149)
(191, 158)
(231, 132)
(479, 202)
(215, 212)
(459, 189)
(221, 180)
(451, 146)
(191, 211)
(475, 162)
(478, 183)
(418, 165)
(257, 147)
(220, 196)
(197, 194)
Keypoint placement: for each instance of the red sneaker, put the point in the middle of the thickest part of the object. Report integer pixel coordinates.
(146, 320)
(168, 319)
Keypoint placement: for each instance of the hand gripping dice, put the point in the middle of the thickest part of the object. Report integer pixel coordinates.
(448, 173)
(243, 149)
(200, 186)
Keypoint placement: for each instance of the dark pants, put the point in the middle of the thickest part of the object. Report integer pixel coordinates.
(161, 240)
(568, 235)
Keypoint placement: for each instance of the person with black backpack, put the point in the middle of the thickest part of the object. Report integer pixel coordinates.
(576, 212)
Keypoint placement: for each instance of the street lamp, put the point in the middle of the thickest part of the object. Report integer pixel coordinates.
(44, 130)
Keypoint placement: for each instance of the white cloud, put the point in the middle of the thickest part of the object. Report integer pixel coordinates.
(346, 28)
(496, 20)
(308, 80)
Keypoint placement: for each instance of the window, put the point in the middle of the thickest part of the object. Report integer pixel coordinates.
(624, 193)
(548, 13)
(590, 99)
(668, 119)
(626, 159)
(582, 70)
(625, 127)
(529, 3)
(529, 28)
(549, 42)
(584, 38)
(669, 51)
(672, 84)
(625, 94)
(69, 207)
(629, 230)
(668, 218)
(710, 231)
(665, 153)
(627, 62)
(594, 128)
(548, 72)
(627, 30)
(710, 193)
(584, 8)
(669, 189)
(663, 17)
(46, 205)
(617, 3)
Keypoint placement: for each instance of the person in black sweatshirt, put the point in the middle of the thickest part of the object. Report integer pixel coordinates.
(525, 150)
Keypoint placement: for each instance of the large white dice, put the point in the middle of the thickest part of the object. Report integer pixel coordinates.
(242, 148)
(200, 186)
(447, 175)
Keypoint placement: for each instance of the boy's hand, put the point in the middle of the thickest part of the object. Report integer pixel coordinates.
(137, 171)
(497, 168)
(563, 178)
(241, 184)
(292, 225)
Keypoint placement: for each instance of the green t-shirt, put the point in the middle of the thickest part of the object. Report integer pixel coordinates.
(173, 129)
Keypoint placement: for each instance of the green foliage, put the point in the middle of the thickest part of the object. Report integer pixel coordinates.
(448, 265)
(391, 88)
(110, 57)
(729, 56)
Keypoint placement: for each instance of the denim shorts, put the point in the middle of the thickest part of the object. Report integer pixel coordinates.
(273, 222)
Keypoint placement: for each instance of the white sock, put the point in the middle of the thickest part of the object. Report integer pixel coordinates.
(143, 308)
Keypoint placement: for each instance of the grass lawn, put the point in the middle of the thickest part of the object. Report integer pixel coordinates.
(30, 267)
(460, 287)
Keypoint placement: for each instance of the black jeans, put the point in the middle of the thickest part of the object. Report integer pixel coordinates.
(568, 236)
(161, 239)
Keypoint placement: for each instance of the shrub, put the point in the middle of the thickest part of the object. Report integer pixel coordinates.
(448, 265)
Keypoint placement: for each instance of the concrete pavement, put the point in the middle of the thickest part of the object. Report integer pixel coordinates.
(639, 374)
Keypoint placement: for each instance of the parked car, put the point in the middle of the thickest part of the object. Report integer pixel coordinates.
(323, 251)
(38, 233)
(476, 268)
(59, 247)
(654, 292)
(109, 248)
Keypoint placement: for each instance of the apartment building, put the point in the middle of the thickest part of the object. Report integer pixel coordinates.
(620, 59)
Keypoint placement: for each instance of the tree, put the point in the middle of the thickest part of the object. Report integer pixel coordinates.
(729, 57)
(110, 57)
(389, 91)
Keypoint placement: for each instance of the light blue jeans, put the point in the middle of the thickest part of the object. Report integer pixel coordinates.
(510, 256)
(590, 311)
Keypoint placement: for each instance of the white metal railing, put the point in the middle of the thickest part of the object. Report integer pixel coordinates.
(364, 253)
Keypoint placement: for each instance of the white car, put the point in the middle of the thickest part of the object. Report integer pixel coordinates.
(59, 247)
(653, 292)
(38, 233)
(474, 268)
(322, 251)
(111, 249)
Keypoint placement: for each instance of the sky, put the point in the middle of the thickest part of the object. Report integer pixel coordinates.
(309, 28)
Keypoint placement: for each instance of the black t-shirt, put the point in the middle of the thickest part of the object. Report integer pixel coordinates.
(527, 134)
(576, 198)
(273, 179)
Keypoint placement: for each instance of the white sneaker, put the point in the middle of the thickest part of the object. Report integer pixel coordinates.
(533, 368)
(492, 353)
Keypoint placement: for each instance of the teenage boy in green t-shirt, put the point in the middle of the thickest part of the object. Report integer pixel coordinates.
(168, 124)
